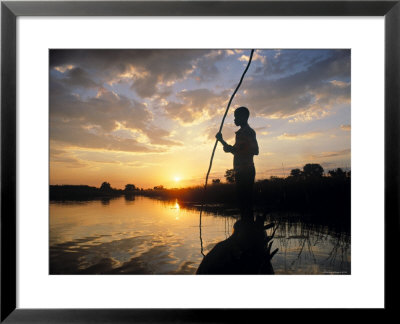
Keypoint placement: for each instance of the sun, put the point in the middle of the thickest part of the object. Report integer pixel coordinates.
(177, 179)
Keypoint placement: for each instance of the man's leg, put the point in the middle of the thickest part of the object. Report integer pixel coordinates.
(244, 186)
(240, 192)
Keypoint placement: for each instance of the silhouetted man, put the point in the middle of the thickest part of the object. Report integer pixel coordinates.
(245, 148)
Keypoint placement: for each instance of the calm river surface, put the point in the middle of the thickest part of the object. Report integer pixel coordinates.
(148, 236)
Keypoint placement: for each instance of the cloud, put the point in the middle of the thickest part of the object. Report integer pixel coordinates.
(90, 122)
(85, 110)
(345, 127)
(292, 137)
(310, 93)
(330, 154)
(267, 154)
(256, 57)
(144, 70)
(263, 130)
(288, 62)
(277, 53)
(340, 84)
(74, 135)
(61, 156)
(63, 68)
(205, 67)
(88, 109)
(195, 105)
(228, 131)
(103, 110)
(78, 77)
(160, 136)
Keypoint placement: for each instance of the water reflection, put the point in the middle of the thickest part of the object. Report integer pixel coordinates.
(105, 201)
(146, 236)
(129, 197)
(312, 249)
(246, 251)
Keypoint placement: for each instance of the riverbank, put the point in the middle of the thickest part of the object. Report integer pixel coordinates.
(324, 201)
(298, 194)
(291, 193)
(81, 193)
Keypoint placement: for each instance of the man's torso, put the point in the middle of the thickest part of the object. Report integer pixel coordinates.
(246, 147)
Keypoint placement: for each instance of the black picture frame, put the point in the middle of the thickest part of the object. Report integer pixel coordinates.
(10, 10)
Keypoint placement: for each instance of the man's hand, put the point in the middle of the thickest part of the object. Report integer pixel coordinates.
(227, 147)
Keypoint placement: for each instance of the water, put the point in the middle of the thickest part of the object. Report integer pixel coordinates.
(148, 236)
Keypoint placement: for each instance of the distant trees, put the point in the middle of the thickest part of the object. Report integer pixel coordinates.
(216, 181)
(310, 170)
(295, 173)
(230, 176)
(158, 188)
(313, 170)
(130, 187)
(105, 186)
(338, 173)
(317, 171)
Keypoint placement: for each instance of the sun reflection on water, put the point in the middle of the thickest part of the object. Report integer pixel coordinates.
(177, 208)
(158, 237)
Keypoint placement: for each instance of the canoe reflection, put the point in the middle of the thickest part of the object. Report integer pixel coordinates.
(246, 251)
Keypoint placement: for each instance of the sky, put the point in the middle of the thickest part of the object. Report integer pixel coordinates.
(149, 117)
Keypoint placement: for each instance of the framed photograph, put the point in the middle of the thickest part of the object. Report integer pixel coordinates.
(162, 159)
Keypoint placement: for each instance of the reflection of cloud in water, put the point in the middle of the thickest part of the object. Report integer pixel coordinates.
(187, 267)
(145, 238)
(143, 254)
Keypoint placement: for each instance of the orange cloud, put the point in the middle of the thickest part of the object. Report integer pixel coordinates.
(291, 137)
(345, 127)
(330, 154)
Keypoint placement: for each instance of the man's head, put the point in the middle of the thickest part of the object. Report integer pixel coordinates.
(241, 116)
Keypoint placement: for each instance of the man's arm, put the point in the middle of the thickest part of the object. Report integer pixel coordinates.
(227, 148)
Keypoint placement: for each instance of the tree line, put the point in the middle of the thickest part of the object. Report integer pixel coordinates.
(309, 188)
(310, 170)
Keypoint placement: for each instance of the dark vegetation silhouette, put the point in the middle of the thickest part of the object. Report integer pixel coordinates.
(315, 197)
(303, 190)
(130, 188)
(308, 237)
(319, 197)
(82, 192)
(313, 171)
(105, 187)
(230, 176)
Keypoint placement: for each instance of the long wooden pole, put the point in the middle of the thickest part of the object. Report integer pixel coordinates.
(215, 145)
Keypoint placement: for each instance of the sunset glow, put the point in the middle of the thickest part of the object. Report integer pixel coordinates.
(149, 117)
